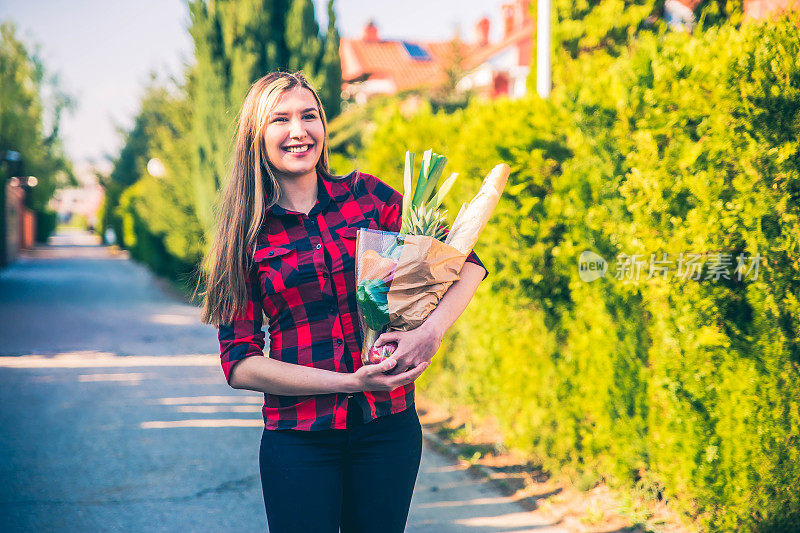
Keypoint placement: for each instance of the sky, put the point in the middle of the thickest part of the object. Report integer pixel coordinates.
(104, 51)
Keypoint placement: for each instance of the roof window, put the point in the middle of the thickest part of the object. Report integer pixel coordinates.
(416, 51)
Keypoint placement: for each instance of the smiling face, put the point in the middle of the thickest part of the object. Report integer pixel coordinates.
(294, 134)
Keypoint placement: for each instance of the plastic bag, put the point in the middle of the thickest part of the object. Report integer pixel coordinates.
(399, 281)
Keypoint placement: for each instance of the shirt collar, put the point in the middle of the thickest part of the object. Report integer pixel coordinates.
(327, 191)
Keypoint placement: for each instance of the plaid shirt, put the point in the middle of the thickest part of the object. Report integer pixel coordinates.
(303, 280)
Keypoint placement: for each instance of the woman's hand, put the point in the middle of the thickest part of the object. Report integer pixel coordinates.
(376, 377)
(414, 347)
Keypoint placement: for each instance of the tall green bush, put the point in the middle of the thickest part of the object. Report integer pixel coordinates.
(676, 144)
(154, 216)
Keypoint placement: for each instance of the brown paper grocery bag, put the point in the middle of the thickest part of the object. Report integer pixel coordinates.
(426, 269)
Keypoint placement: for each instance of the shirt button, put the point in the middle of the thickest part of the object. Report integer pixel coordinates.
(313, 222)
(271, 253)
(332, 309)
(325, 275)
(319, 246)
(339, 341)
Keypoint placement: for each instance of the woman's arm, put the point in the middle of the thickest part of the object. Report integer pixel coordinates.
(263, 374)
(419, 345)
(455, 300)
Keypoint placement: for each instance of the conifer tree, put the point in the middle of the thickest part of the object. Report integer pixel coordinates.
(303, 40)
(236, 42)
(330, 75)
(209, 120)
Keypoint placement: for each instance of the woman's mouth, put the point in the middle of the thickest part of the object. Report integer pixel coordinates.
(297, 149)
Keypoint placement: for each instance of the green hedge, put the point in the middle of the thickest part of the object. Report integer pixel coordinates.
(689, 388)
(154, 217)
(158, 234)
(45, 224)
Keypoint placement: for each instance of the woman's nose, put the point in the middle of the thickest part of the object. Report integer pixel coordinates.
(296, 129)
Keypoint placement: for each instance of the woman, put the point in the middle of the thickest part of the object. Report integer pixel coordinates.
(342, 442)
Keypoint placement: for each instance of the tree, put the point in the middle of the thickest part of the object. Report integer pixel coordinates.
(597, 30)
(302, 39)
(236, 42)
(330, 75)
(153, 216)
(29, 123)
(129, 166)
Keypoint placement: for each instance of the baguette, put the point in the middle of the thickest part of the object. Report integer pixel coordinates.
(473, 218)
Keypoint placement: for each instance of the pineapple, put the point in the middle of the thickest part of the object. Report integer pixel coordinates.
(421, 214)
(421, 222)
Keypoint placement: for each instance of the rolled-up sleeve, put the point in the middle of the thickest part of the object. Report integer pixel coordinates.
(243, 337)
(390, 206)
(473, 258)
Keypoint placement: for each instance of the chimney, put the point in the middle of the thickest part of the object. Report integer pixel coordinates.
(523, 13)
(370, 33)
(482, 31)
(508, 19)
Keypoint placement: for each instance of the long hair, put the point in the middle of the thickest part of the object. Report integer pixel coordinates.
(250, 190)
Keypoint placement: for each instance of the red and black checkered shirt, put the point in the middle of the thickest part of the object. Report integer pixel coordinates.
(303, 280)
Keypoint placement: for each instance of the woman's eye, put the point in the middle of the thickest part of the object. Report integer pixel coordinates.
(310, 116)
(278, 119)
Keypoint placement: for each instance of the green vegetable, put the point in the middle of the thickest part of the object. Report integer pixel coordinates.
(421, 201)
(371, 295)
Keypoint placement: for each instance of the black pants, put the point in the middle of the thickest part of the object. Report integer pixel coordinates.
(358, 479)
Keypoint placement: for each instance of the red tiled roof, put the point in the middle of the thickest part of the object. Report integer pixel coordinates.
(390, 60)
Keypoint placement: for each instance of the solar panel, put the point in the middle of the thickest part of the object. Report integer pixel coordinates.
(416, 51)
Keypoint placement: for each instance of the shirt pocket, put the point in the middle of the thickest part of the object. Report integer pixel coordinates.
(289, 278)
(347, 238)
(278, 268)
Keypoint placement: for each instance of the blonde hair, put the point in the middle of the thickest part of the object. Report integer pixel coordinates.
(251, 189)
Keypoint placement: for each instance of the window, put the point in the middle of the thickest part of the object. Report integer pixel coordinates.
(416, 51)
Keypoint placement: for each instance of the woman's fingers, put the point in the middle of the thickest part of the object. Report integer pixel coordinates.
(383, 367)
(385, 338)
(404, 362)
(411, 374)
(382, 381)
(387, 364)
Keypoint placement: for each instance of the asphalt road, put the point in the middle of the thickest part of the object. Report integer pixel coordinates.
(115, 414)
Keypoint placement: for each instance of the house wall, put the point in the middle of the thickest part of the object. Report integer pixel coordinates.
(482, 78)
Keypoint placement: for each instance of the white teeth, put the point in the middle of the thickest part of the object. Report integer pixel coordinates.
(297, 149)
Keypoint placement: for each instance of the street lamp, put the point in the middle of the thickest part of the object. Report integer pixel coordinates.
(25, 182)
(156, 168)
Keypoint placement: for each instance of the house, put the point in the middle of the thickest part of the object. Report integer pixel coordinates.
(501, 69)
(760, 9)
(85, 200)
(680, 14)
(371, 65)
